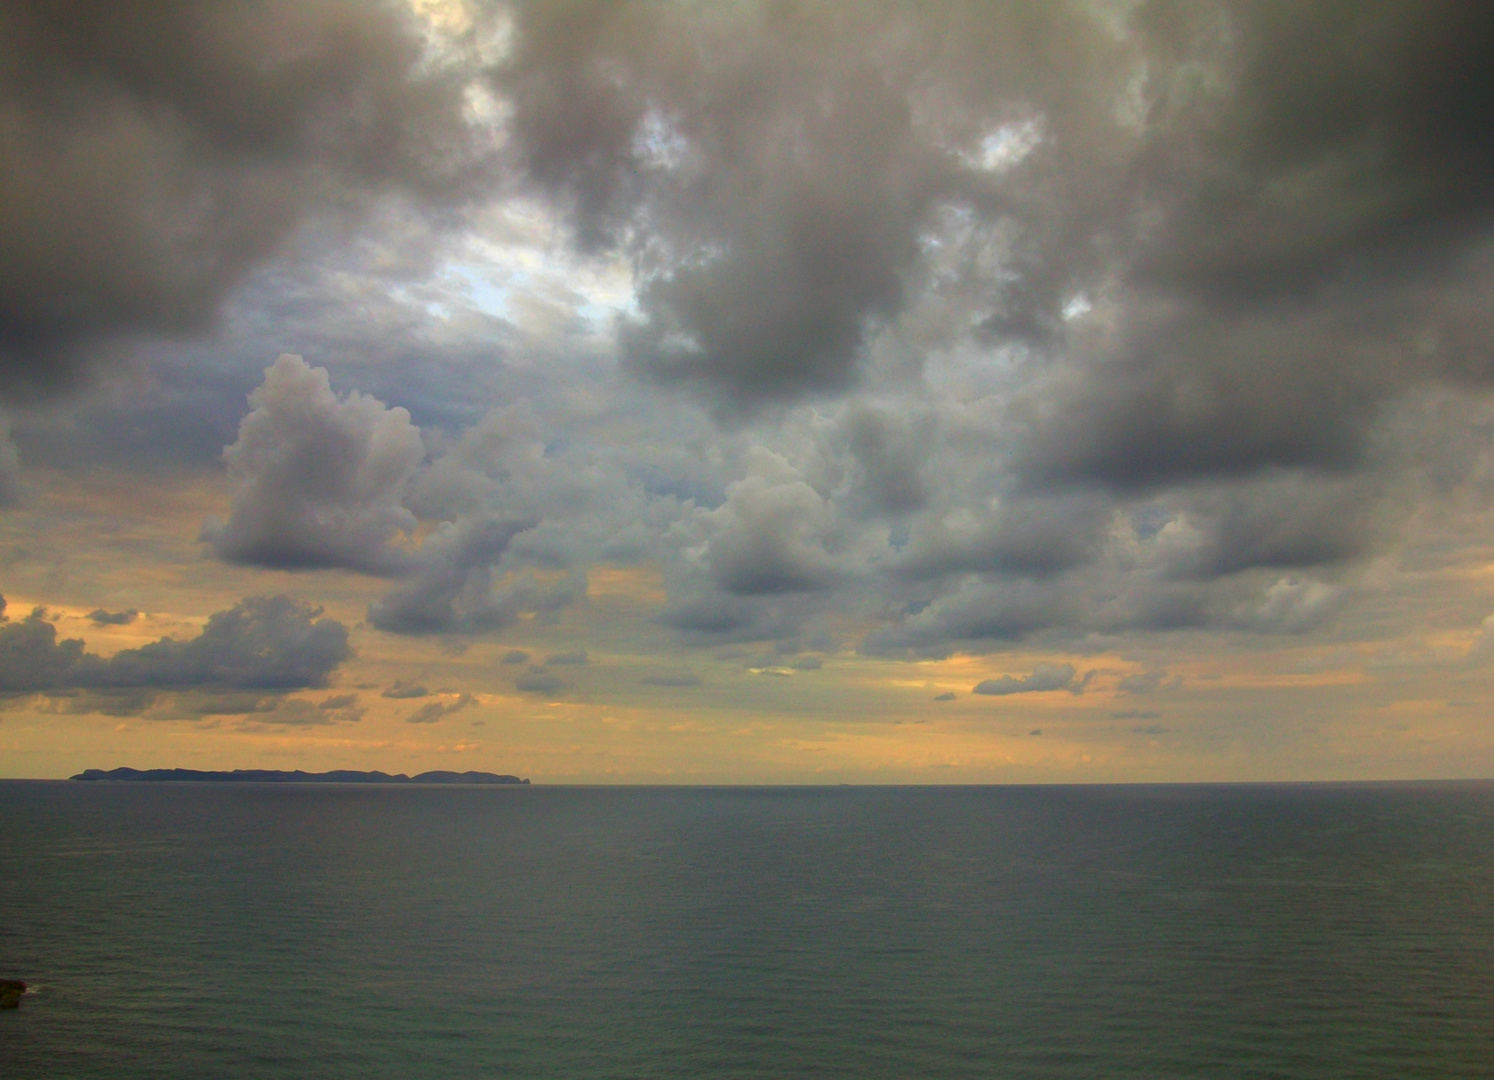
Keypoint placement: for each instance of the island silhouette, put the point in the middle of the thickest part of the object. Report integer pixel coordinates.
(280, 776)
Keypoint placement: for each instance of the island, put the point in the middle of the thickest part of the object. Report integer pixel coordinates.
(279, 776)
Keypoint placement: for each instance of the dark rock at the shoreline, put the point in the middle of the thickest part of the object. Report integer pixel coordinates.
(10, 993)
(278, 776)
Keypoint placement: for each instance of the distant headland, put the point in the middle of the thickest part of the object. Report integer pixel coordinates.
(279, 776)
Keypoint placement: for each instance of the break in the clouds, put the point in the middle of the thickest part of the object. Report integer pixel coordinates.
(263, 643)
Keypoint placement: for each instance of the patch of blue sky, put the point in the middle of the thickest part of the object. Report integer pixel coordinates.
(487, 295)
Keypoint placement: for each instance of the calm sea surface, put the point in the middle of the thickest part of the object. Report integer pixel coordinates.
(226, 931)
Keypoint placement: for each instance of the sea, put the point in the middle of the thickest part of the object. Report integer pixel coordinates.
(210, 931)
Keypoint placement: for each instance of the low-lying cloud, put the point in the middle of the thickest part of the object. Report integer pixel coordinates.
(538, 680)
(1044, 677)
(263, 643)
(436, 711)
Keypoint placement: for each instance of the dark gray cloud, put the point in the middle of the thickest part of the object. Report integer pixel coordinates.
(769, 233)
(577, 656)
(1197, 396)
(319, 480)
(1035, 538)
(76, 702)
(1143, 682)
(209, 706)
(705, 616)
(298, 712)
(1290, 605)
(775, 534)
(1225, 233)
(1117, 301)
(31, 657)
(10, 467)
(948, 695)
(515, 656)
(1318, 219)
(1263, 556)
(892, 455)
(539, 681)
(197, 704)
(773, 238)
(263, 643)
(154, 156)
(1318, 87)
(453, 587)
(402, 690)
(1044, 677)
(436, 711)
(1275, 520)
(100, 617)
(974, 612)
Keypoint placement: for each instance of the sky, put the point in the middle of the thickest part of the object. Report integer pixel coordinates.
(749, 392)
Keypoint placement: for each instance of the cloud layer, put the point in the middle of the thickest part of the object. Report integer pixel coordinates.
(922, 328)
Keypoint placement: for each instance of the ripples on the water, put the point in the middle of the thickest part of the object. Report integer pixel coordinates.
(201, 931)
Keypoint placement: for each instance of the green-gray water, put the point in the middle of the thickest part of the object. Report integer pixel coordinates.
(227, 931)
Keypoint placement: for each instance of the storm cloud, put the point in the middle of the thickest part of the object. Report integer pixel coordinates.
(1163, 156)
(1209, 245)
(154, 156)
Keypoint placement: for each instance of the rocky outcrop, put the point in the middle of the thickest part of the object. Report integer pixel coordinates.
(10, 993)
